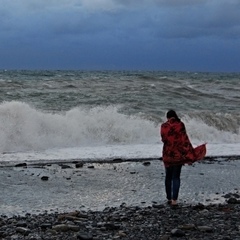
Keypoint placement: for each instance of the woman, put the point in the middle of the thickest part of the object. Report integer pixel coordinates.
(177, 150)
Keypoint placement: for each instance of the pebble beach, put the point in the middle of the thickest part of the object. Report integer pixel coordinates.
(220, 221)
(119, 200)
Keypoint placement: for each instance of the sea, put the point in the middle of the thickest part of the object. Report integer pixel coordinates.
(97, 115)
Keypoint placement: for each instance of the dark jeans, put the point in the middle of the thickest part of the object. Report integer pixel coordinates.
(172, 181)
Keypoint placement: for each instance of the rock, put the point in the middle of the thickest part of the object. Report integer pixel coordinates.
(63, 166)
(84, 236)
(236, 195)
(187, 227)
(159, 206)
(2, 234)
(21, 165)
(117, 160)
(21, 224)
(122, 234)
(228, 195)
(74, 228)
(44, 178)
(79, 165)
(165, 237)
(2, 222)
(205, 228)
(14, 237)
(177, 233)
(61, 228)
(22, 230)
(46, 225)
(51, 231)
(66, 227)
(146, 163)
(111, 226)
(199, 206)
(232, 200)
(34, 237)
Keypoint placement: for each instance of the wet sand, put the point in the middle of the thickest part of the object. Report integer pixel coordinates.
(95, 186)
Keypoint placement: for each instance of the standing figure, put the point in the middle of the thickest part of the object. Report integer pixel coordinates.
(177, 150)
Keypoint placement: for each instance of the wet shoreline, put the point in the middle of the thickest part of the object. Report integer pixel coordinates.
(118, 200)
(66, 186)
(43, 162)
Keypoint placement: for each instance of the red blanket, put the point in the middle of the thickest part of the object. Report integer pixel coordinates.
(177, 148)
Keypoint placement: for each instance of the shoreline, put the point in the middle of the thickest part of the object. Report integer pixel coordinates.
(94, 186)
(118, 200)
(42, 162)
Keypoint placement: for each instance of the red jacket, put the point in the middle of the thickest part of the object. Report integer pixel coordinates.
(177, 148)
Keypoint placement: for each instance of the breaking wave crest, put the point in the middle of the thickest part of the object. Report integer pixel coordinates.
(25, 128)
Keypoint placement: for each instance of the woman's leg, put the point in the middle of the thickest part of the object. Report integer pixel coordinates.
(168, 182)
(176, 172)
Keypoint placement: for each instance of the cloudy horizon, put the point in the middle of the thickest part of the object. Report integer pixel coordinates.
(179, 35)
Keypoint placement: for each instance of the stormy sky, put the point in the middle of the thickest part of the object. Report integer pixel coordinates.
(180, 35)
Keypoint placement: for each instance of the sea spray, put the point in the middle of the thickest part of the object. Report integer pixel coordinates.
(212, 128)
(25, 128)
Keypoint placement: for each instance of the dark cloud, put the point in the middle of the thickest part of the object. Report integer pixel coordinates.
(119, 33)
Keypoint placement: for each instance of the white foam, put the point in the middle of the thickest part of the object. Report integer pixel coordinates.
(110, 152)
(24, 128)
(100, 132)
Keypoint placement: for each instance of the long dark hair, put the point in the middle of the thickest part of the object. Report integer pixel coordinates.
(172, 114)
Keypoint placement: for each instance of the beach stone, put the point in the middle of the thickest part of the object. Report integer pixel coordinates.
(66, 227)
(187, 227)
(21, 224)
(64, 166)
(165, 237)
(21, 165)
(84, 236)
(44, 178)
(2, 234)
(73, 228)
(199, 206)
(51, 232)
(147, 163)
(177, 233)
(228, 195)
(116, 160)
(14, 237)
(232, 200)
(205, 228)
(111, 226)
(204, 212)
(159, 206)
(22, 230)
(46, 225)
(122, 234)
(128, 223)
(236, 195)
(61, 228)
(79, 165)
(2, 222)
(34, 237)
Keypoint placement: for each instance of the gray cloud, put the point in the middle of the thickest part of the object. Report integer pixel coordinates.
(158, 18)
(93, 31)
